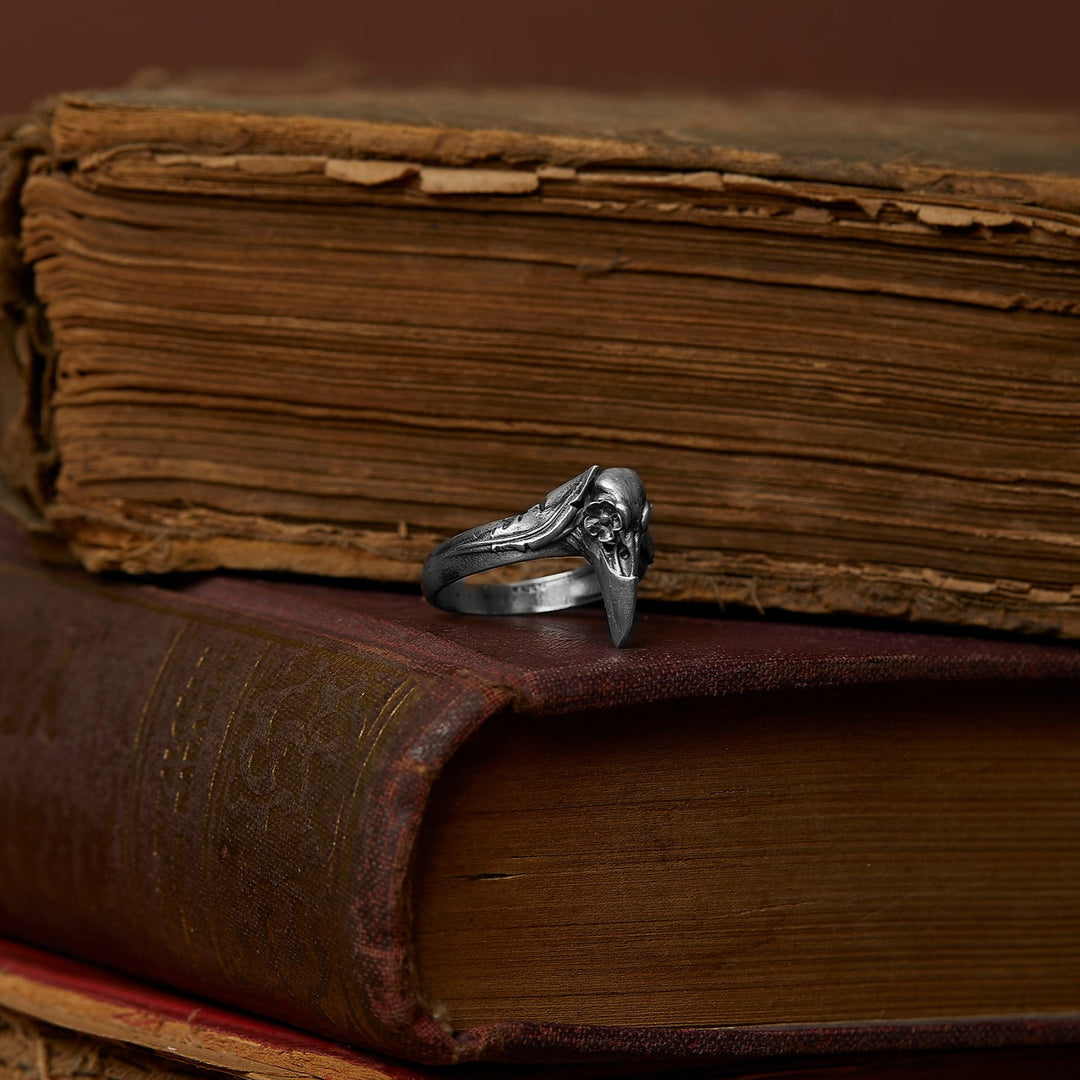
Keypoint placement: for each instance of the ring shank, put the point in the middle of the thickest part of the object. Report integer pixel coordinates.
(553, 592)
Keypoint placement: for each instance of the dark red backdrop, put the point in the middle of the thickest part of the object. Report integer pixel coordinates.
(956, 50)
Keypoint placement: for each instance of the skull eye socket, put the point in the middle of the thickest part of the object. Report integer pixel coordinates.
(603, 521)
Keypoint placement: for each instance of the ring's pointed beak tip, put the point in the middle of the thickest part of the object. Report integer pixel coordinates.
(620, 636)
(620, 599)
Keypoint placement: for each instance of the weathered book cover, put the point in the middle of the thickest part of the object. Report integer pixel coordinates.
(838, 342)
(195, 1037)
(220, 787)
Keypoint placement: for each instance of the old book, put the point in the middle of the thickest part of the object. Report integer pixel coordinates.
(840, 343)
(130, 1029)
(453, 838)
(62, 1020)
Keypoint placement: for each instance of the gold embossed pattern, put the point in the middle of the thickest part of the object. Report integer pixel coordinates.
(234, 765)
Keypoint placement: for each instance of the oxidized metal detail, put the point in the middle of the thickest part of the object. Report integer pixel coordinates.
(601, 515)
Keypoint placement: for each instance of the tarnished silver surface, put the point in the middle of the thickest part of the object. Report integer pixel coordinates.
(601, 515)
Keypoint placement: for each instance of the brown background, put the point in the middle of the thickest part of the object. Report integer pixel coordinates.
(1022, 52)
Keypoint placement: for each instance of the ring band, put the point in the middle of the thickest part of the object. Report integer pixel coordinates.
(601, 515)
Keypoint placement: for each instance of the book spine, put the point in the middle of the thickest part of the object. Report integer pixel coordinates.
(26, 360)
(218, 803)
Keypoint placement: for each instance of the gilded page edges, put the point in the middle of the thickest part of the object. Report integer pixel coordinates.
(65, 1025)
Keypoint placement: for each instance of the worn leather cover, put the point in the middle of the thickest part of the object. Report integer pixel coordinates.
(217, 784)
(1030, 156)
(95, 1001)
(862, 364)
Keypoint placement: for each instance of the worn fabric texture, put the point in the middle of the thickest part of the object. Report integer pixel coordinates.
(225, 780)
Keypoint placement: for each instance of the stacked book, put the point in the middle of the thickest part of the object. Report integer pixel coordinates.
(264, 810)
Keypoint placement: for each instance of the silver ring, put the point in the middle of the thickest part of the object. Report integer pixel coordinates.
(601, 515)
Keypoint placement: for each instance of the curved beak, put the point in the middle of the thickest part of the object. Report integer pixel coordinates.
(618, 584)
